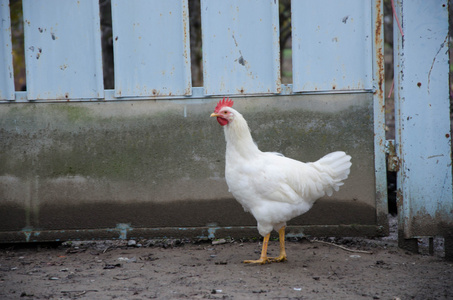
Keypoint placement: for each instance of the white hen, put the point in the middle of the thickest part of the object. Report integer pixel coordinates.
(272, 187)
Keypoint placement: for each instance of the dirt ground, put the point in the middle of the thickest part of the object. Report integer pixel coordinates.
(178, 269)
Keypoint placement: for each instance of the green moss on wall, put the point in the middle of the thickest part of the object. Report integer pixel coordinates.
(151, 142)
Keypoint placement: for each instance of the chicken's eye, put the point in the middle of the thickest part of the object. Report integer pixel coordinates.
(225, 112)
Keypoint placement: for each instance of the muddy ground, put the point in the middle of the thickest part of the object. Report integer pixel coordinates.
(179, 269)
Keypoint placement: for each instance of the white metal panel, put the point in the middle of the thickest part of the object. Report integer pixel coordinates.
(241, 52)
(151, 47)
(332, 45)
(6, 69)
(63, 49)
(423, 118)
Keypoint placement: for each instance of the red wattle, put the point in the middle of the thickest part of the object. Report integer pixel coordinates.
(222, 121)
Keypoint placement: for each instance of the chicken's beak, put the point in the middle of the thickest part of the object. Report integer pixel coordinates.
(215, 115)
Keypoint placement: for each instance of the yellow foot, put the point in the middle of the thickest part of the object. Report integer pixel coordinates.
(260, 261)
(281, 258)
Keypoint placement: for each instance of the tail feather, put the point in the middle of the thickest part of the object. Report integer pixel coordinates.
(336, 167)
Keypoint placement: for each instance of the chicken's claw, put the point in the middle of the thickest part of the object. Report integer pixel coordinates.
(281, 258)
(263, 258)
(260, 261)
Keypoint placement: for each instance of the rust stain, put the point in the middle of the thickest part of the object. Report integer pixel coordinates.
(393, 163)
(378, 48)
(38, 55)
(241, 60)
(185, 33)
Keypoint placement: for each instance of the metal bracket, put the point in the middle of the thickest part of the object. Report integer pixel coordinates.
(393, 162)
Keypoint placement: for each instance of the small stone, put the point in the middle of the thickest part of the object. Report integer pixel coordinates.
(131, 243)
(125, 259)
(316, 277)
(109, 266)
(218, 242)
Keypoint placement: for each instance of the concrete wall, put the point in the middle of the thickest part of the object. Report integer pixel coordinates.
(156, 168)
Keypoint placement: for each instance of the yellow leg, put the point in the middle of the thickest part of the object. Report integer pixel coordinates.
(263, 258)
(282, 256)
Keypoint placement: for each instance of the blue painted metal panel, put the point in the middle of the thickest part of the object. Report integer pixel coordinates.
(63, 49)
(247, 39)
(332, 45)
(423, 134)
(241, 52)
(6, 69)
(152, 48)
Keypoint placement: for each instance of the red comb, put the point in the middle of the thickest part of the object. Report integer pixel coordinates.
(223, 103)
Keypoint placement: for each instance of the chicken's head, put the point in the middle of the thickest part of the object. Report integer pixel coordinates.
(224, 112)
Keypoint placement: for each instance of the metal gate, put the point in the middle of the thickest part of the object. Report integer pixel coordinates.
(144, 159)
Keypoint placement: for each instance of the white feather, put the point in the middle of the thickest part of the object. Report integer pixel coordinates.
(272, 187)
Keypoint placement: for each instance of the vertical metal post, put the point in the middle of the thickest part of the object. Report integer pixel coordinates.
(63, 60)
(6, 56)
(422, 114)
(379, 114)
(152, 48)
(332, 45)
(241, 50)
